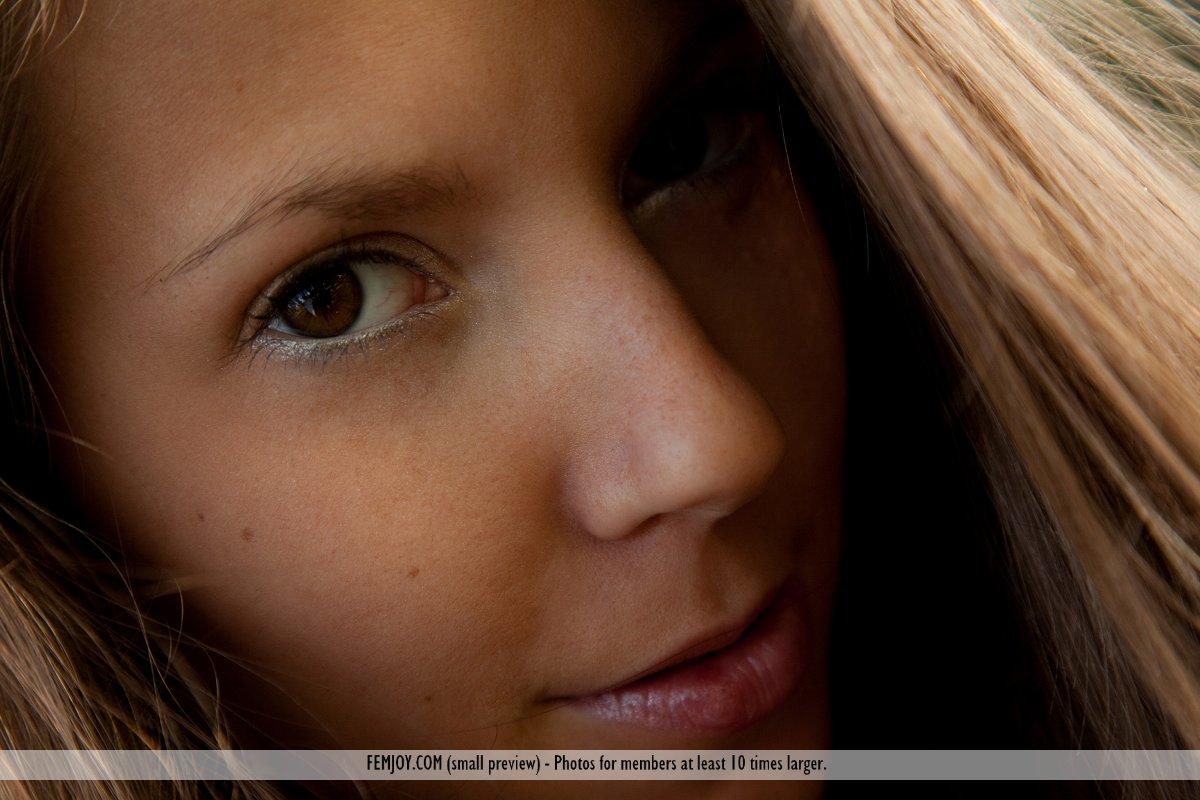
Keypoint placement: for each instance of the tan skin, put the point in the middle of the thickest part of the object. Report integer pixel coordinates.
(607, 418)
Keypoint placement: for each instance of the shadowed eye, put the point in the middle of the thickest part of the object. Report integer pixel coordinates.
(351, 291)
(695, 138)
(686, 143)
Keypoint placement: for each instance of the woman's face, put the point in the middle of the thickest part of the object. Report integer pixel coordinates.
(462, 360)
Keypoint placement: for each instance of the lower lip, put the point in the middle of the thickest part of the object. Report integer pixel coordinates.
(721, 692)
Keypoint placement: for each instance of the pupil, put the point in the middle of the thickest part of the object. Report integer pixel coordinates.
(673, 151)
(327, 306)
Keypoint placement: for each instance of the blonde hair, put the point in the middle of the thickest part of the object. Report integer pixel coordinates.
(1036, 166)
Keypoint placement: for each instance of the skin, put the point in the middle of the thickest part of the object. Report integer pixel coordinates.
(622, 427)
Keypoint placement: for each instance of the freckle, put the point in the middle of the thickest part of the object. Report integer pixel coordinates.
(414, 572)
(247, 535)
(239, 85)
(428, 698)
(200, 516)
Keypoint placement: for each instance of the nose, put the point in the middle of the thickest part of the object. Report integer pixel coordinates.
(667, 428)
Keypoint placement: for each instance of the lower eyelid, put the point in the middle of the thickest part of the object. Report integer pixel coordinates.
(267, 347)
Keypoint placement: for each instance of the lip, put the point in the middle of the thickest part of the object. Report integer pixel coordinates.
(719, 684)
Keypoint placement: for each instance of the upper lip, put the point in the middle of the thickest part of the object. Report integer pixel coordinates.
(708, 642)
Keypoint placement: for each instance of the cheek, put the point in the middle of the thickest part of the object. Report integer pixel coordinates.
(385, 529)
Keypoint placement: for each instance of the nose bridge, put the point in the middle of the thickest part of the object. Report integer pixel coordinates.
(664, 424)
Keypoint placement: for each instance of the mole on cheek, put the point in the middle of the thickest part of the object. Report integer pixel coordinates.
(247, 535)
(200, 516)
(414, 572)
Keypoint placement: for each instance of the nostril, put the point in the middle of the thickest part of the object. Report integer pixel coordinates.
(679, 520)
(649, 522)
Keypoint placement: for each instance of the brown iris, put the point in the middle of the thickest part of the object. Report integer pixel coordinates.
(325, 305)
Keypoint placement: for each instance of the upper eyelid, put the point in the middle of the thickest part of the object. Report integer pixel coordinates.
(347, 249)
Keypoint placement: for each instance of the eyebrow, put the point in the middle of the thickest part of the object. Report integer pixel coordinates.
(339, 191)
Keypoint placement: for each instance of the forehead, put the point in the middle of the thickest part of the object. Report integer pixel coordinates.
(215, 71)
(167, 56)
(185, 105)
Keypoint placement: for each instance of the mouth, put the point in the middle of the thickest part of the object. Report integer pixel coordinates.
(720, 684)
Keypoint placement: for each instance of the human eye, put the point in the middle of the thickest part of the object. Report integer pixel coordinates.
(699, 137)
(351, 291)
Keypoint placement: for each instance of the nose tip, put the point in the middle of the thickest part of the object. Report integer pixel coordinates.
(684, 438)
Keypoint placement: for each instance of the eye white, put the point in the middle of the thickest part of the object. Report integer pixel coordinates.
(388, 290)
